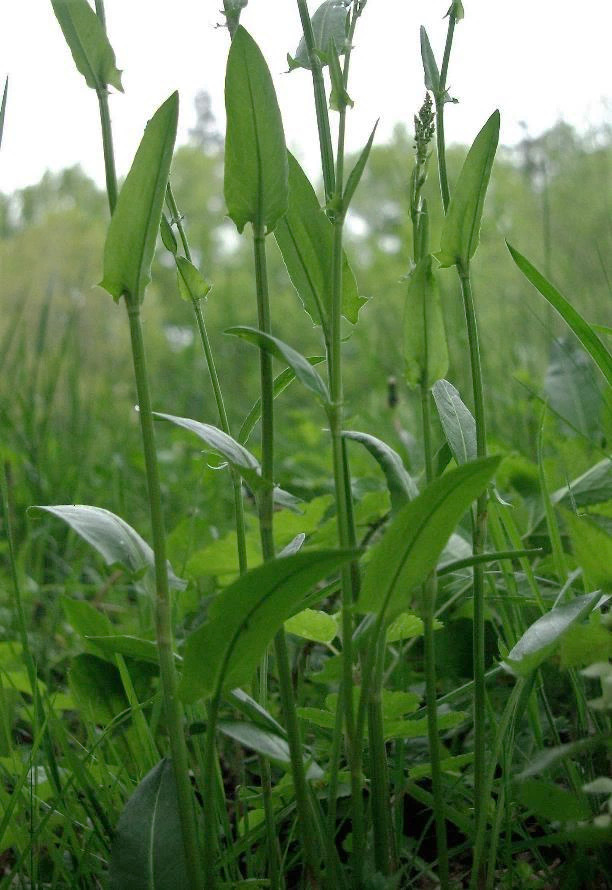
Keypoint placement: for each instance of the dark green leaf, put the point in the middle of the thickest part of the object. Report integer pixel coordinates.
(461, 230)
(132, 233)
(302, 368)
(425, 349)
(167, 235)
(96, 685)
(85, 35)
(551, 802)
(328, 23)
(244, 617)
(457, 422)
(147, 852)
(305, 238)
(357, 171)
(430, 68)
(114, 539)
(124, 644)
(192, 284)
(256, 188)
(410, 547)
(261, 740)
(255, 712)
(592, 548)
(402, 487)
(571, 388)
(541, 640)
(581, 328)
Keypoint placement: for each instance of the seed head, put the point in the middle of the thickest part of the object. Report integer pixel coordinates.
(424, 128)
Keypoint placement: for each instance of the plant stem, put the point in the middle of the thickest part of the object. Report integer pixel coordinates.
(163, 623)
(109, 155)
(439, 100)
(266, 512)
(379, 778)
(325, 141)
(479, 536)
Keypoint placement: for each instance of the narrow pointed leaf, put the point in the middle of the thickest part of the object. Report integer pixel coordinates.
(328, 23)
(410, 547)
(357, 171)
(111, 536)
(85, 35)
(425, 348)
(192, 284)
(338, 97)
(581, 328)
(243, 618)
(147, 852)
(130, 646)
(301, 367)
(461, 230)
(457, 422)
(132, 233)
(541, 640)
(167, 235)
(3, 109)
(255, 712)
(256, 188)
(430, 67)
(400, 483)
(305, 238)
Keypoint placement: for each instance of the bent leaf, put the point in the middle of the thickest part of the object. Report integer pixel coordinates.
(457, 422)
(581, 328)
(112, 537)
(400, 483)
(132, 232)
(461, 230)
(301, 367)
(85, 35)
(410, 547)
(147, 852)
(328, 23)
(243, 618)
(541, 640)
(425, 348)
(305, 238)
(256, 188)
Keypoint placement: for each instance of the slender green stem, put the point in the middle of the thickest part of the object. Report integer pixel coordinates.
(109, 155)
(379, 778)
(325, 141)
(266, 512)
(479, 537)
(163, 623)
(208, 793)
(439, 100)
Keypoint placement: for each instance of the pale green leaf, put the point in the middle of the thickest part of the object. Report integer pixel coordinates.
(192, 284)
(311, 625)
(85, 35)
(551, 802)
(400, 483)
(328, 23)
(457, 422)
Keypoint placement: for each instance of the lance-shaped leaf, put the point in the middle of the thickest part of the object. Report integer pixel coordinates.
(329, 22)
(425, 349)
(192, 284)
(356, 173)
(430, 67)
(243, 618)
(3, 108)
(147, 851)
(256, 188)
(410, 547)
(461, 230)
(457, 422)
(265, 742)
(232, 451)
(581, 328)
(111, 536)
(541, 640)
(132, 232)
(400, 483)
(338, 96)
(305, 238)
(167, 235)
(301, 367)
(85, 35)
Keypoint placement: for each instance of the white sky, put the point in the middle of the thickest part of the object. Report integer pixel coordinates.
(537, 60)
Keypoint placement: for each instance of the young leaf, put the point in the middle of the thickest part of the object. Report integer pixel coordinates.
(256, 188)
(430, 67)
(191, 282)
(85, 35)
(400, 483)
(357, 171)
(305, 236)
(132, 233)
(581, 328)
(167, 235)
(461, 229)
(301, 367)
(147, 852)
(457, 422)
(233, 452)
(3, 108)
(243, 618)
(425, 349)
(328, 23)
(541, 640)
(410, 547)
(114, 539)
(551, 802)
(338, 97)
(311, 625)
